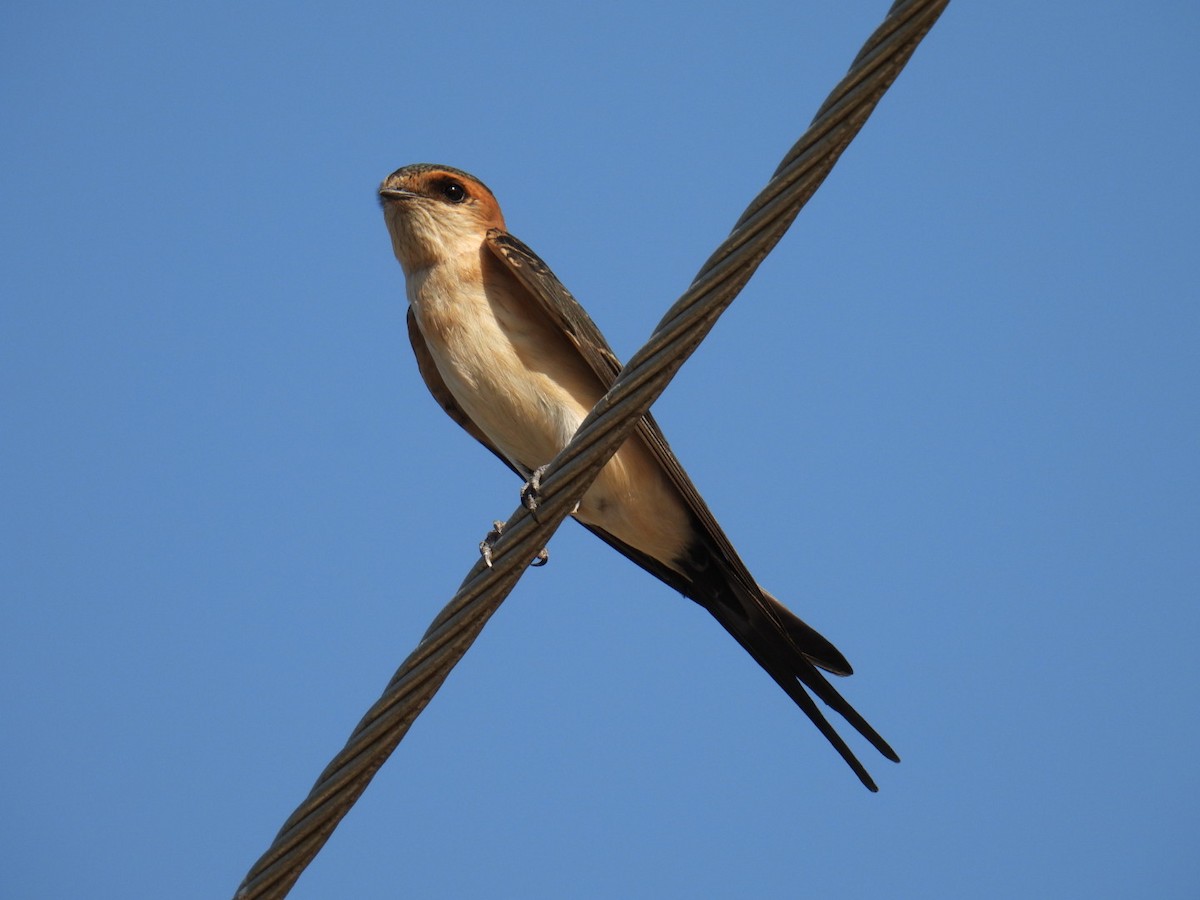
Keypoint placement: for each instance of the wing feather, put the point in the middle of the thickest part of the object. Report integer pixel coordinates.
(783, 644)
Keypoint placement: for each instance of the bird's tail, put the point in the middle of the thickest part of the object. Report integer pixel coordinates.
(790, 651)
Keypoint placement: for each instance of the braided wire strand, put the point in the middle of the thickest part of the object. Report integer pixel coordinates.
(569, 475)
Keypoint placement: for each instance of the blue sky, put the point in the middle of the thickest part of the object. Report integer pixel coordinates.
(954, 421)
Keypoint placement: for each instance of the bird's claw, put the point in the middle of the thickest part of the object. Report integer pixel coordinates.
(529, 491)
(486, 545)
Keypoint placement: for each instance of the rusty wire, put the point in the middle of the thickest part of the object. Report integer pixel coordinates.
(569, 475)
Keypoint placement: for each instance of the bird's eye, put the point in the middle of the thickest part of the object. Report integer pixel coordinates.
(454, 192)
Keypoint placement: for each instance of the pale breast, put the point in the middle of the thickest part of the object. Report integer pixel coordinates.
(483, 352)
(528, 389)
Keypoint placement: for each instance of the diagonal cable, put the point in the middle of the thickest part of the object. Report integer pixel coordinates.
(569, 475)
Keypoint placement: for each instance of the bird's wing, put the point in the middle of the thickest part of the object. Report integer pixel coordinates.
(782, 644)
(567, 313)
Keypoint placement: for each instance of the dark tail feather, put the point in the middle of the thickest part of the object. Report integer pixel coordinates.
(816, 683)
(816, 649)
(794, 689)
(793, 672)
(786, 647)
(814, 645)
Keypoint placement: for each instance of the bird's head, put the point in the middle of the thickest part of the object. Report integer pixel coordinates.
(436, 212)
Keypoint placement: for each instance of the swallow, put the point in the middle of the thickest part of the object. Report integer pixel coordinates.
(515, 361)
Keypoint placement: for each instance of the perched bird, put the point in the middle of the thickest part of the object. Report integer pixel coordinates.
(513, 358)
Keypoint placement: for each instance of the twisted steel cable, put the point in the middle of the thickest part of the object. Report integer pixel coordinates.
(569, 475)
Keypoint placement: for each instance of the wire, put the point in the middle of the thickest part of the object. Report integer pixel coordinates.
(569, 475)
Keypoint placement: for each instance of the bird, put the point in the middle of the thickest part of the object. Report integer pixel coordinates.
(515, 360)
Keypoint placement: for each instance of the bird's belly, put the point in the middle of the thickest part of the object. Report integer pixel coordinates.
(528, 414)
(528, 391)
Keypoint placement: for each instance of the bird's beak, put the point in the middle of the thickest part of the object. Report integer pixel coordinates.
(386, 194)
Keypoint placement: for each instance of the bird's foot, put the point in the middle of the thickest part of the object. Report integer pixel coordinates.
(489, 541)
(531, 488)
(486, 545)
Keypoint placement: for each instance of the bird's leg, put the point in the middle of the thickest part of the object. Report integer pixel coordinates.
(489, 541)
